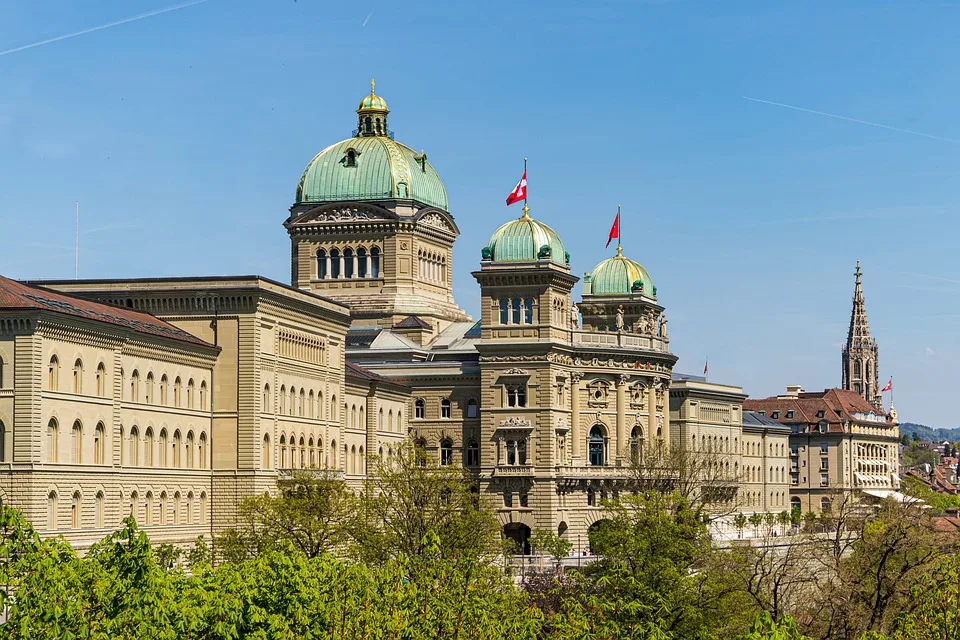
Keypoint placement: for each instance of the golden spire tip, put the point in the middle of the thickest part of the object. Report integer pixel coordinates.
(526, 211)
(373, 85)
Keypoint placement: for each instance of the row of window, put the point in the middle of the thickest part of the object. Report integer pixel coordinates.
(348, 263)
(179, 452)
(163, 511)
(431, 266)
(298, 403)
(755, 474)
(516, 310)
(755, 499)
(446, 407)
(101, 388)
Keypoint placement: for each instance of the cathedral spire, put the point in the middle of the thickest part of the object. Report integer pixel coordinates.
(860, 354)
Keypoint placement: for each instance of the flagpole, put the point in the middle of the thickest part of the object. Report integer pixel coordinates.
(619, 231)
(526, 190)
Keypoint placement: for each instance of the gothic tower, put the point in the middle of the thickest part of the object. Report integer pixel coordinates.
(371, 228)
(860, 355)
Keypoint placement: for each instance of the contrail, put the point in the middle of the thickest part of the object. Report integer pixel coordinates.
(116, 23)
(839, 117)
(367, 19)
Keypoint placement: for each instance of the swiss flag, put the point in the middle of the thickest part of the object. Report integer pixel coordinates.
(888, 387)
(614, 230)
(520, 191)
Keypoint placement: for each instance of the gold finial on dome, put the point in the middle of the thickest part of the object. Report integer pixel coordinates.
(373, 85)
(526, 212)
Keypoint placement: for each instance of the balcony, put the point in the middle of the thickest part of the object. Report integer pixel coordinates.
(595, 472)
(623, 340)
(333, 474)
(513, 470)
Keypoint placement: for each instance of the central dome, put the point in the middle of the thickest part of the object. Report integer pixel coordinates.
(371, 166)
(523, 240)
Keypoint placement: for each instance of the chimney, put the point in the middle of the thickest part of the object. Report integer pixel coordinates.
(793, 390)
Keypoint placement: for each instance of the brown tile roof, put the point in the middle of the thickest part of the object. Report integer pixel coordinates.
(19, 296)
(357, 371)
(412, 322)
(837, 406)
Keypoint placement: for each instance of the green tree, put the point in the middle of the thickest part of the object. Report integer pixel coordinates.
(755, 520)
(766, 627)
(409, 499)
(548, 543)
(740, 522)
(310, 511)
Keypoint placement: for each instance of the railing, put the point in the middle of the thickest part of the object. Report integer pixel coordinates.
(333, 474)
(595, 472)
(513, 470)
(623, 340)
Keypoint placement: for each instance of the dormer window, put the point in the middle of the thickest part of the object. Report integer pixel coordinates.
(775, 415)
(350, 159)
(820, 413)
(789, 414)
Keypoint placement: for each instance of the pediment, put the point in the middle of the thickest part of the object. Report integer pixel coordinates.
(436, 219)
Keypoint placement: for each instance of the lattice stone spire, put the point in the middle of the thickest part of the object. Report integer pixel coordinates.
(860, 354)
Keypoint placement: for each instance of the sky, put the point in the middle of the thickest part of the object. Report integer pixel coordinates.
(715, 124)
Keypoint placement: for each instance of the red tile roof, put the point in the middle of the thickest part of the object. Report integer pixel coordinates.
(19, 296)
(837, 405)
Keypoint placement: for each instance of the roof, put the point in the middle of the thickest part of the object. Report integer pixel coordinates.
(384, 170)
(21, 296)
(833, 406)
(412, 322)
(759, 421)
(618, 275)
(357, 371)
(523, 240)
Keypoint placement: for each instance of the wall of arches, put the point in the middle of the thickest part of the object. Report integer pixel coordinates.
(348, 262)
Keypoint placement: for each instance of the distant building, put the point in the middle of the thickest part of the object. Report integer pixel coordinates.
(861, 356)
(838, 442)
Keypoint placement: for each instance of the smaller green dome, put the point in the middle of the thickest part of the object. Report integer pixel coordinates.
(621, 276)
(525, 239)
(372, 102)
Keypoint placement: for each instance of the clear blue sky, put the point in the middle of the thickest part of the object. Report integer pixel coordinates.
(183, 136)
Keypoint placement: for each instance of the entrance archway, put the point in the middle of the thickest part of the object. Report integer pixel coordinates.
(594, 530)
(520, 534)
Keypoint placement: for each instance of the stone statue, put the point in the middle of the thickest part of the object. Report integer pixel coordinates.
(575, 315)
(620, 318)
(663, 325)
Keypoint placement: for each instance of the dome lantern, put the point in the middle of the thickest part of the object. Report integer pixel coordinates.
(619, 276)
(526, 240)
(372, 115)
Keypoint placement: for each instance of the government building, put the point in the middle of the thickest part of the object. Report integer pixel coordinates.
(174, 398)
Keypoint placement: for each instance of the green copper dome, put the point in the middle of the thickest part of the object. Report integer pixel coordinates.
(373, 103)
(619, 276)
(377, 169)
(525, 239)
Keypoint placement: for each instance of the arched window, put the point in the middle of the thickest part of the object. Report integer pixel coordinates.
(473, 454)
(148, 395)
(334, 463)
(148, 509)
(98, 510)
(133, 453)
(420, 409)
(361, 461)
(190, 390)
(596, 446)
(164, 384)
(334, 263)
(163, 507)
(176, 508)
(3, 442)
(375, 262)
(148, 448)
(445, 408)
(135, 386)
(504, 310)
(446, 452)
(101, 380)
(202, 451)
(380, 423)
(795, 504)
(53, 440)
(517, 396)
(52, 511)
(282, 450)
(348, 263)
(283, 399)
(75, 509)
(293, 401)
(203, 506)
(190, 507)
(99, 444)
(176, 391)
(472, 408)
(636, 436)
(361, 263)
(321, 264)
(266, 451)
(77, 443)
(176, 448)
(333, 408)
(162, 450)
(203, 395)
(528, 310)
(135, 505)
(300, 406)
(267, 399)
(53, 374)
(189, 450)
(310, 404)
(825, 505)
(303, 453)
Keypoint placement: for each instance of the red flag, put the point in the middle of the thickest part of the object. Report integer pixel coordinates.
(889, 386)
(706, 366)
(614, 230)
(520, 191)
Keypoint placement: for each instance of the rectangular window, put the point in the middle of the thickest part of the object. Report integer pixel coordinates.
(824, 448)
(523, 499)
(528, 311)
(507, 499)
(504, 311)
(824, 480)
(516, 311)
(794, 449)
(794, 478)
(775, 415)
(789, 414)
(824, 464)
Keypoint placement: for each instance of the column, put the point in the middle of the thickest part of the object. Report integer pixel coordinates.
(577, 448)
(366, 260)
(516, 452)
(652, 412)
(666, 413)
(356, 263)
(621, 417)
(500, 451)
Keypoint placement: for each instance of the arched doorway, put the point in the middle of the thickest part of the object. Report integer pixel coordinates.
(595, 446)
(594, 532)
(520, 534)
(795, 504)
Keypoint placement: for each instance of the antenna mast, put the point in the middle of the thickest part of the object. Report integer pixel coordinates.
(76, 266)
